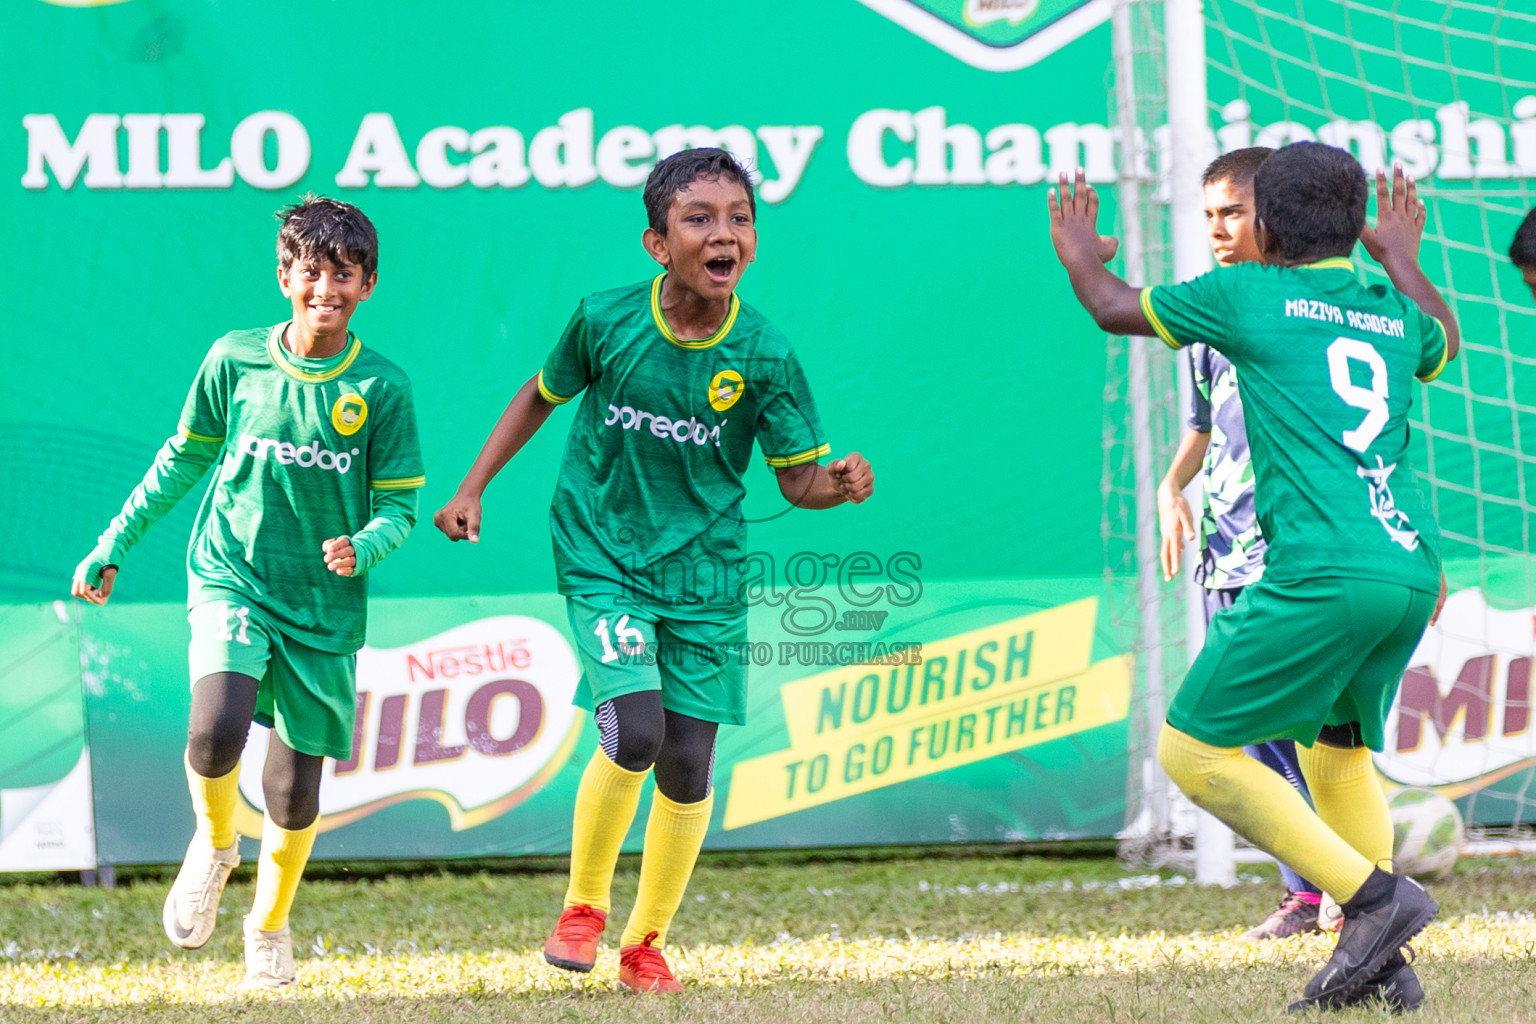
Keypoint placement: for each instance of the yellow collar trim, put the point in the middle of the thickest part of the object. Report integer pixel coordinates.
(1331, 263)
(282, 358)
(666, 329)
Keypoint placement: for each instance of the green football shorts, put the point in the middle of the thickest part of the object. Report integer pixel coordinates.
(700, 667)
(309, 696)
(1288, 658)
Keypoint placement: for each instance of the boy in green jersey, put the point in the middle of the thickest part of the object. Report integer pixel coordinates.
(681, 378)
(1522, 251)
(1314, 650)
(318, 467)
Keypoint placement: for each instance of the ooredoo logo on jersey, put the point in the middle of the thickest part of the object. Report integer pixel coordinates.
(476, 718)
(286, 453)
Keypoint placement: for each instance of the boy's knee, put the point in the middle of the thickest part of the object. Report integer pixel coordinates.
(631, 730)
(638, 744)
(684, 777)
(292, 807)
(215, 752)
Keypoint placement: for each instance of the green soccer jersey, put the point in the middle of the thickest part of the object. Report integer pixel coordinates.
(1325, 367)
(648, 504)
(306, 442)
(303, 450)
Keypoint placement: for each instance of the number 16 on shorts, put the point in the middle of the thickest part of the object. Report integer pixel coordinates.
(630, 640)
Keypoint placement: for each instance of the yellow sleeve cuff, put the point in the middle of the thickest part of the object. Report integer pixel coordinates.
(405, 483)
(1152, 318)
(550, 396)
(1445, 353)
(785, 461)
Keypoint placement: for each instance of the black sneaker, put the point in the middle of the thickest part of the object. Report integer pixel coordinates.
(1396, 986)
(1387, 912)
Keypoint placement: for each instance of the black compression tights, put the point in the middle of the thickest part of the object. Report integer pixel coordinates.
(222, 707)
(637, 733)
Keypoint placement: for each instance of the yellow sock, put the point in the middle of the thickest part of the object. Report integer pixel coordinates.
(673, 836)
(605, 808)
(1264, 808)
(213, 801)
(283, 856)
(1349, 799)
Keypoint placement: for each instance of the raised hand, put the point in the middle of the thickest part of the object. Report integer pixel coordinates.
(1400, 215)
(1074, 220)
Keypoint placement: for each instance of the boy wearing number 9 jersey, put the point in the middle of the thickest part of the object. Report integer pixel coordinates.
(678, 379)
(1315, 650)
(312, 438)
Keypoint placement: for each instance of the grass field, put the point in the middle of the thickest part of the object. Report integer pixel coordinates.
(943, 937)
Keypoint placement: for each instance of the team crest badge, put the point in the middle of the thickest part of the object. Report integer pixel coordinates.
(725, 390)
(996, 35)
(349, 413)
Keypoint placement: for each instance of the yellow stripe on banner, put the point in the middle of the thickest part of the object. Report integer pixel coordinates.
(1445, 352)
(197, 437)
(666, 329)
(280, 357)
(956, 701)
(785, 461)
(1152, 318)
(403, 484)
(550, 396)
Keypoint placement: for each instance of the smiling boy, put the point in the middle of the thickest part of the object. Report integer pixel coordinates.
(681, 378)
(314, 437)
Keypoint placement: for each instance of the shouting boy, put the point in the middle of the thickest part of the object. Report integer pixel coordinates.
(681, 378)
(318, 465)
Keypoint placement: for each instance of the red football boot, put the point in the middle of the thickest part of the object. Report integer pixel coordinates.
(572, 946)
(644, 969)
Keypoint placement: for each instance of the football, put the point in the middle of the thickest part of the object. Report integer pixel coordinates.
(1427, 833)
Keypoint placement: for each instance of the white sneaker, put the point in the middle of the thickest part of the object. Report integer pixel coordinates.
(268, 958)
(192, 906)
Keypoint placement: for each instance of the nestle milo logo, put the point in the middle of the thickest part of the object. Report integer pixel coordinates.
(476, 718)
(1462, 718)
(996, 35)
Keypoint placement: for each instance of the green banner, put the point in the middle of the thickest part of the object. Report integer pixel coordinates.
(500, 150)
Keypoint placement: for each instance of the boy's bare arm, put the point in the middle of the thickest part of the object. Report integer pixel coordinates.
(812, 485)
(1175, 521)
(1394, 243)
(1114, 305)
(525, 414)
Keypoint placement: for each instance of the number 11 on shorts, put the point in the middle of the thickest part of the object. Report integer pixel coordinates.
(631, 640)
(237, 623)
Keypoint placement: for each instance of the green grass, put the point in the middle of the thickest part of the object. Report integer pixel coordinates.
(770, 940)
